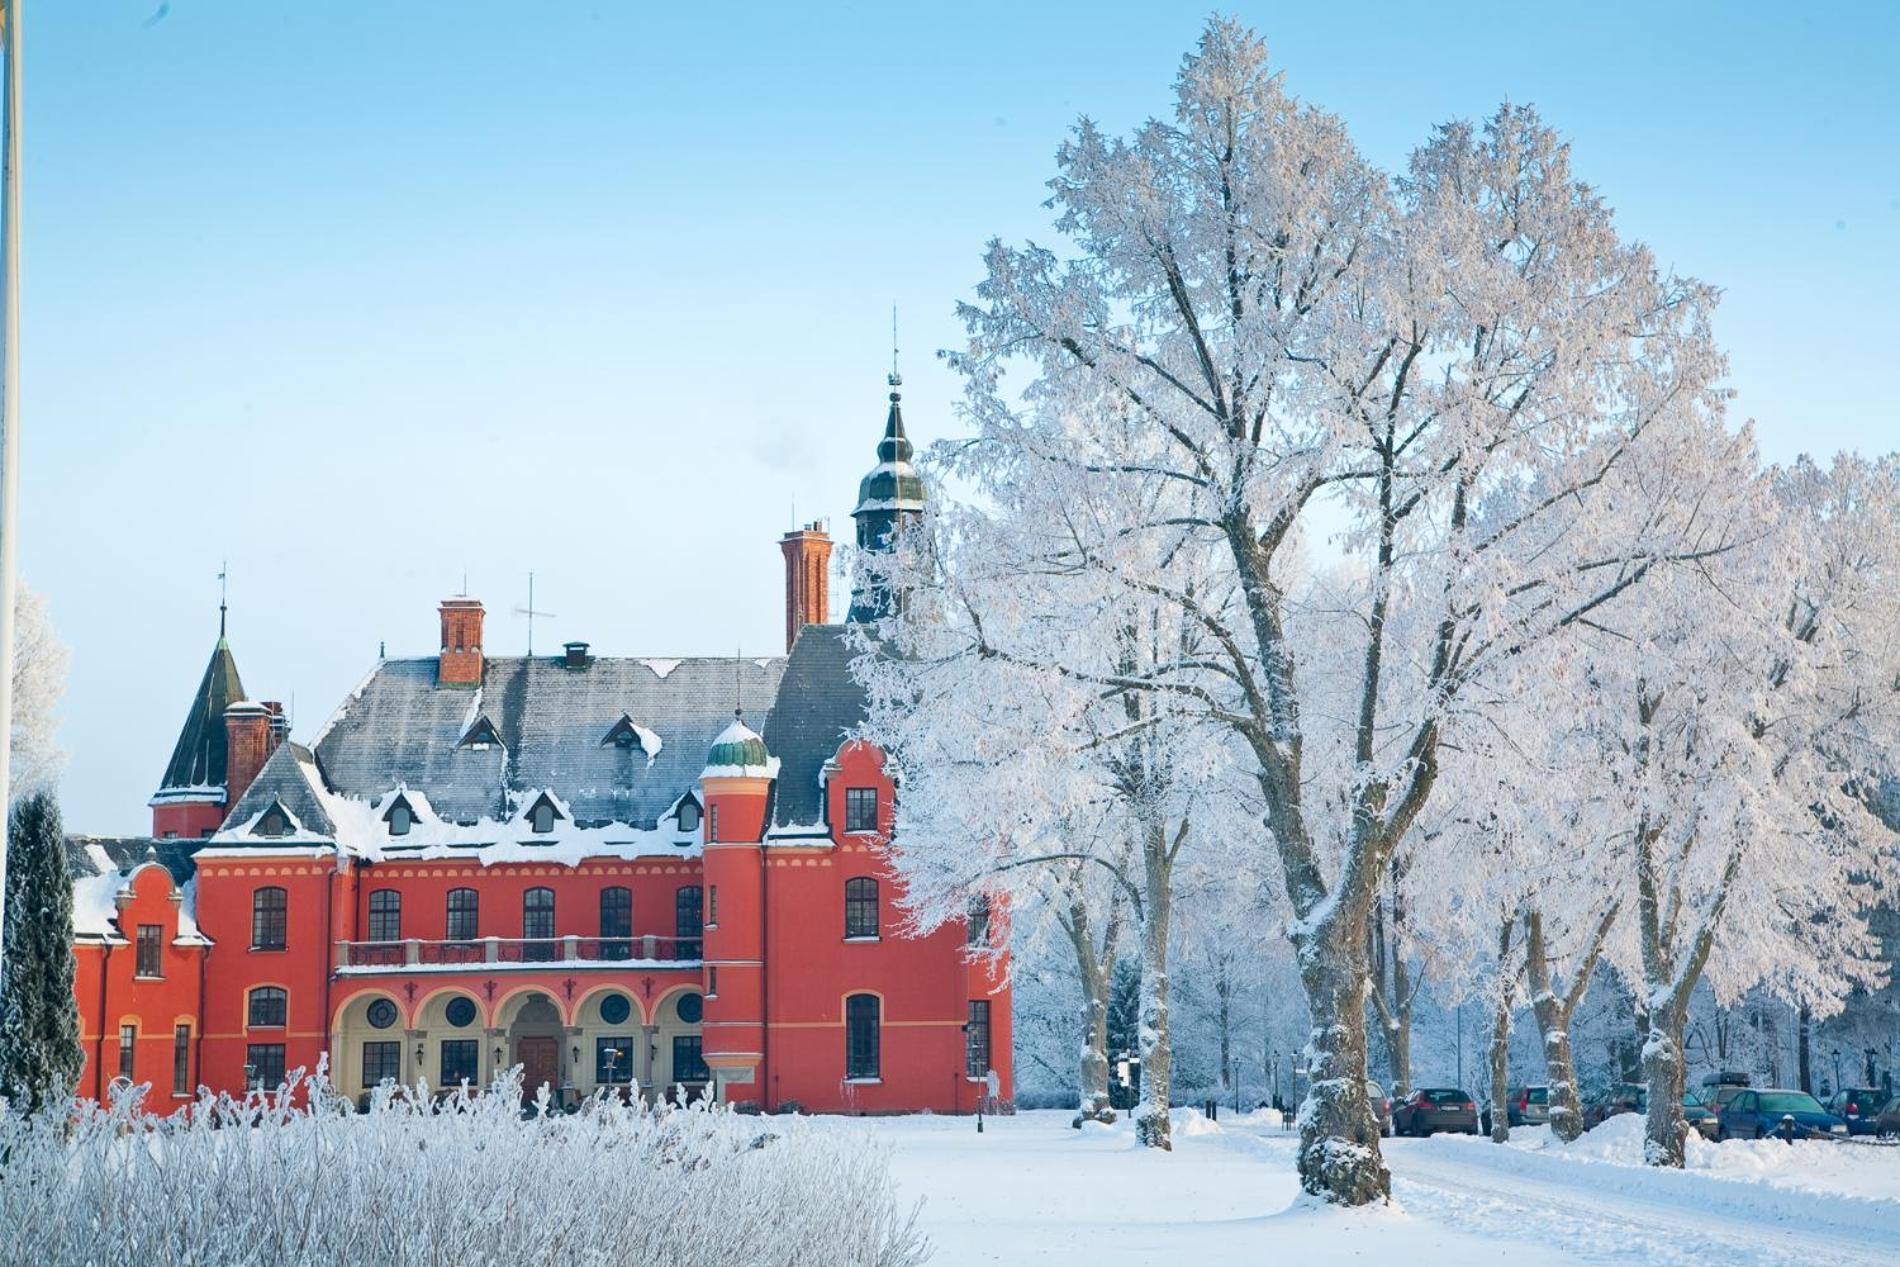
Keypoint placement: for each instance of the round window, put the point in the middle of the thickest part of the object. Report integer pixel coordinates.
(460, 1011)
(691, 1007)
(615, 1008)
(382, 1013)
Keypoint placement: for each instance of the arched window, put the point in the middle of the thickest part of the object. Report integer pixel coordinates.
(537, 924)
(689, 815)
(268, 1008)
(616, 923)
(542, 819)
(861, 1036)
(385, 915)
(687, 923)
(269, 914)
(464, 921)
(979, 920)
(860, 907)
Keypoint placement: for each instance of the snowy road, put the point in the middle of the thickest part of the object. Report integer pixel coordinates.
(1032, 1191)
(1601, 1213)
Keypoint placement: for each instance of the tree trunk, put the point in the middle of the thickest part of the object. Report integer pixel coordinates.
(1501, 1038)
(1096, 973)
(1395, 1015)
(1224, 992)
(1339, 1137)
(1804, 1024)
(1553, 1019)
(1664, 1130)
(1152, 1125)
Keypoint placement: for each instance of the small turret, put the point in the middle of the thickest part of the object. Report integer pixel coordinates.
(889, 497)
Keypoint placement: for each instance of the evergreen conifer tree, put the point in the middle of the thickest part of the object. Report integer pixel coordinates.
(40, 1052)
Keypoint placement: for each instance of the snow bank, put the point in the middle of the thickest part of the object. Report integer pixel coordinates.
(469, 1180)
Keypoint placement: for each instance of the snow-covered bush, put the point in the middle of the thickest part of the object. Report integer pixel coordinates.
(469, 1180)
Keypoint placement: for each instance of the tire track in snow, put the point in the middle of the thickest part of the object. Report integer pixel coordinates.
(1577, 1208)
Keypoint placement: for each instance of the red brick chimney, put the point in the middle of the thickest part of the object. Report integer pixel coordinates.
(807, 578)
(247, 743)
(461, 656)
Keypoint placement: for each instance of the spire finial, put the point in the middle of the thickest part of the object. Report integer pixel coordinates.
(738, 685)
(224, 594)
(896, 379)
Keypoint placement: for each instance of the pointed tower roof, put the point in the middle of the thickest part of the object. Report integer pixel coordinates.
(198, 761)
(893, 485)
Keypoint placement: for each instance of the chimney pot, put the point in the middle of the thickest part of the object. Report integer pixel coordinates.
(576, 655)
(247, 734)
(459, 662)
(807, 553)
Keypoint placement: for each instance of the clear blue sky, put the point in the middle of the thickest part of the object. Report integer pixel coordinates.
(362, 294)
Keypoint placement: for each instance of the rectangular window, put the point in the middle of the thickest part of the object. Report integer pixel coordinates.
(860, 809)
(861, 1036)
(860, 908)
(181, 1060)
(689, 1062)
(264, 1065)
(381, 1060)
(464, 915)
(712, 906)
(712, 982)
(980, 922)
(616, 923)
(151, 951)
(537, 923)
(687, 922)
(385, 915)
(269, 918)
(128, 1044)
(461, 1062)
(712, 823)
(613, 1059)
(976, 1039)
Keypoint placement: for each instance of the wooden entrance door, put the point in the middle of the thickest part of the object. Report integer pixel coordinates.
(539, 1061)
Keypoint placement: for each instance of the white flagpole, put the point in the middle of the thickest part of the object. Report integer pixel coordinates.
(9, 411)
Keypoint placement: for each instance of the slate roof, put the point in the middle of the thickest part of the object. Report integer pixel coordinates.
(198, 761)
(96, 855)
(289, 776)
(553, 723)
(819, 704)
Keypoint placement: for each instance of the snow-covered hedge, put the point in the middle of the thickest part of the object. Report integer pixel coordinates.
(469, 1181)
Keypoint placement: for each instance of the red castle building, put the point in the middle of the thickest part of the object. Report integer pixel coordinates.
(583, 865)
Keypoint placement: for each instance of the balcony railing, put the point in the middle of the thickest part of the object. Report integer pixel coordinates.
(413, 952)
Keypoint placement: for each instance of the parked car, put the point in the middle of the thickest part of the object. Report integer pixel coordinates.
(1381, 1106)
(1700, 1116)
(1887, 1124)
(1431, 1109)
(1623, 1097)
(1528, 1106)
(1757, 1113)
(1859, 1107)
(1719, 1088)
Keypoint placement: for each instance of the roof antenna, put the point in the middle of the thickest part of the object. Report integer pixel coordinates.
(224, 567)
(530, 611)
(738, 685)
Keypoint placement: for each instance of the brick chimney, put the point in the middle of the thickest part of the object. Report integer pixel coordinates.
(247, 743)
(807, 578)
(279, 726)
(461, 656)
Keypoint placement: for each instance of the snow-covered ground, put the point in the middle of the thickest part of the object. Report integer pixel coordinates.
(1031, 1190)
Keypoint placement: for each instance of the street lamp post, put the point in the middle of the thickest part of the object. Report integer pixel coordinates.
(9, 408)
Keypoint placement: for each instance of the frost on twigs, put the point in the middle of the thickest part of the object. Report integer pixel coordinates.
(461, 1178)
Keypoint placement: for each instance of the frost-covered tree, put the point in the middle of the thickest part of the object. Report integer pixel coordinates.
(1465, 362)
(40, 1055)
(1747, 744)
(39, 680)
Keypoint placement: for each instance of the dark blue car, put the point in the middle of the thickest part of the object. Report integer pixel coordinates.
(1759, 1114)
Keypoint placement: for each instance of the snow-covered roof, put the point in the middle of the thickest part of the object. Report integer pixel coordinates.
(400, 727)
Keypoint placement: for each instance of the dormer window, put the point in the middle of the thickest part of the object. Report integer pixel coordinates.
(688, 815)
(400, 816)
(624, 735)
(275, 822)
(542, 815)
(481, 735)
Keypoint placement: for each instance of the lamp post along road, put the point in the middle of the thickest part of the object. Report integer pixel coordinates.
(9, 409)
